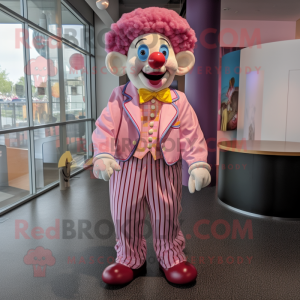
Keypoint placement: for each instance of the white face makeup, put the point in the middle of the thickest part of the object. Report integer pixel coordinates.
(150, 62)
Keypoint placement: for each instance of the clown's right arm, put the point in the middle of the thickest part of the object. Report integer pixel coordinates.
(193, 148)
(104, 137)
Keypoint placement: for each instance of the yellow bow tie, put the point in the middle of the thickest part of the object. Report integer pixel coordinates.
(163, 95)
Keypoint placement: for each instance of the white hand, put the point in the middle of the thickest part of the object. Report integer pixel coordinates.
(199, 178)
(104, 167)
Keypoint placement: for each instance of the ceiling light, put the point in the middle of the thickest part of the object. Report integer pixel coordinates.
(102, 4)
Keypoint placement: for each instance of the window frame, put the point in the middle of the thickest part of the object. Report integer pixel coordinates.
(89, 84)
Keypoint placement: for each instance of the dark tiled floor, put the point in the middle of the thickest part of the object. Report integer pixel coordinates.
(225, 272)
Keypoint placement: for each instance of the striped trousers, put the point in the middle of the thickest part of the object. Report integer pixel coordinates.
(152, 183)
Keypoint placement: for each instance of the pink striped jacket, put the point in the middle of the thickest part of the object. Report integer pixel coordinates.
(118, 128)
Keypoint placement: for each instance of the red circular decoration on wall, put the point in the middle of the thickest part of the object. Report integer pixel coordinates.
(76, 61)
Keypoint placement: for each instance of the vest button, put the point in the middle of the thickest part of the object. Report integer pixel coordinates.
(163, 149)
(152, 101)
(152, 106)
(134, 142)
(150, 139)
(149, 146)
(151, 124)
(150, 131)
(152, 115)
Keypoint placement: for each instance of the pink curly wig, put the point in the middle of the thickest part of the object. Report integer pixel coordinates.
(150, 20)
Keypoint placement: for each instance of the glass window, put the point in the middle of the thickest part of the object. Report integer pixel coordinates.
(75, 78)
(47, 147)
(13, 105)
(52, 97)
(14, 5)
(14, 167)
(50, 143)
(73, 29)
(93, 88)
(45, 13)
(43, 68)
(77, 144)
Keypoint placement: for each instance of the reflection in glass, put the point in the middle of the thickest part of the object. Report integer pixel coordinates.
(45, 14)
(14, 5)
(76, 143)
(13, 106)
(48, 150)
(50, 144)
(43, 68)
(14, 167)
(75, 78)
(73, 29)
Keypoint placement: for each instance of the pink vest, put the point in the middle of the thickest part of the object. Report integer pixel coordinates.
(150, 113)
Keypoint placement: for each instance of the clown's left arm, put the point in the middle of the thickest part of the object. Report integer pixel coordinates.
(193, 147)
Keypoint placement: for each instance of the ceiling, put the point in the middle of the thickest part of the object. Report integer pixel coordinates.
(129, 5)
(269, 10)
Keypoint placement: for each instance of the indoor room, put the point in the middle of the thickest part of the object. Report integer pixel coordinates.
(149, 150)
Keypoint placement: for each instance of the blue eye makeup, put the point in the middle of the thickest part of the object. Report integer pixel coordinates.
(164, 50)
(143, 52)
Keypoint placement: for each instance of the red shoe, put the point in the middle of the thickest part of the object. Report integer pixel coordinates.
(120, 274)
(182, 273)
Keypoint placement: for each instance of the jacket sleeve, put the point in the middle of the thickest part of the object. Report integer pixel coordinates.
(107, 125)
(192, 143)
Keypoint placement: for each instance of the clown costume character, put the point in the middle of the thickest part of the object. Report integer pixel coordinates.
(141, 137)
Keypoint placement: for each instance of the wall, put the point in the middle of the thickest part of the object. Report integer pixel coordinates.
(276, 61)
(84, 9)
(298, 29)
(113, 10)
(265, 31)
(253, 105)
(293, 107)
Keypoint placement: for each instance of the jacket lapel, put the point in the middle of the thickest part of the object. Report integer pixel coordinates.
(131, 105)
(169, 112)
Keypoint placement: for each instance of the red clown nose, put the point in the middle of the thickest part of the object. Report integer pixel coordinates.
(156, 60)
